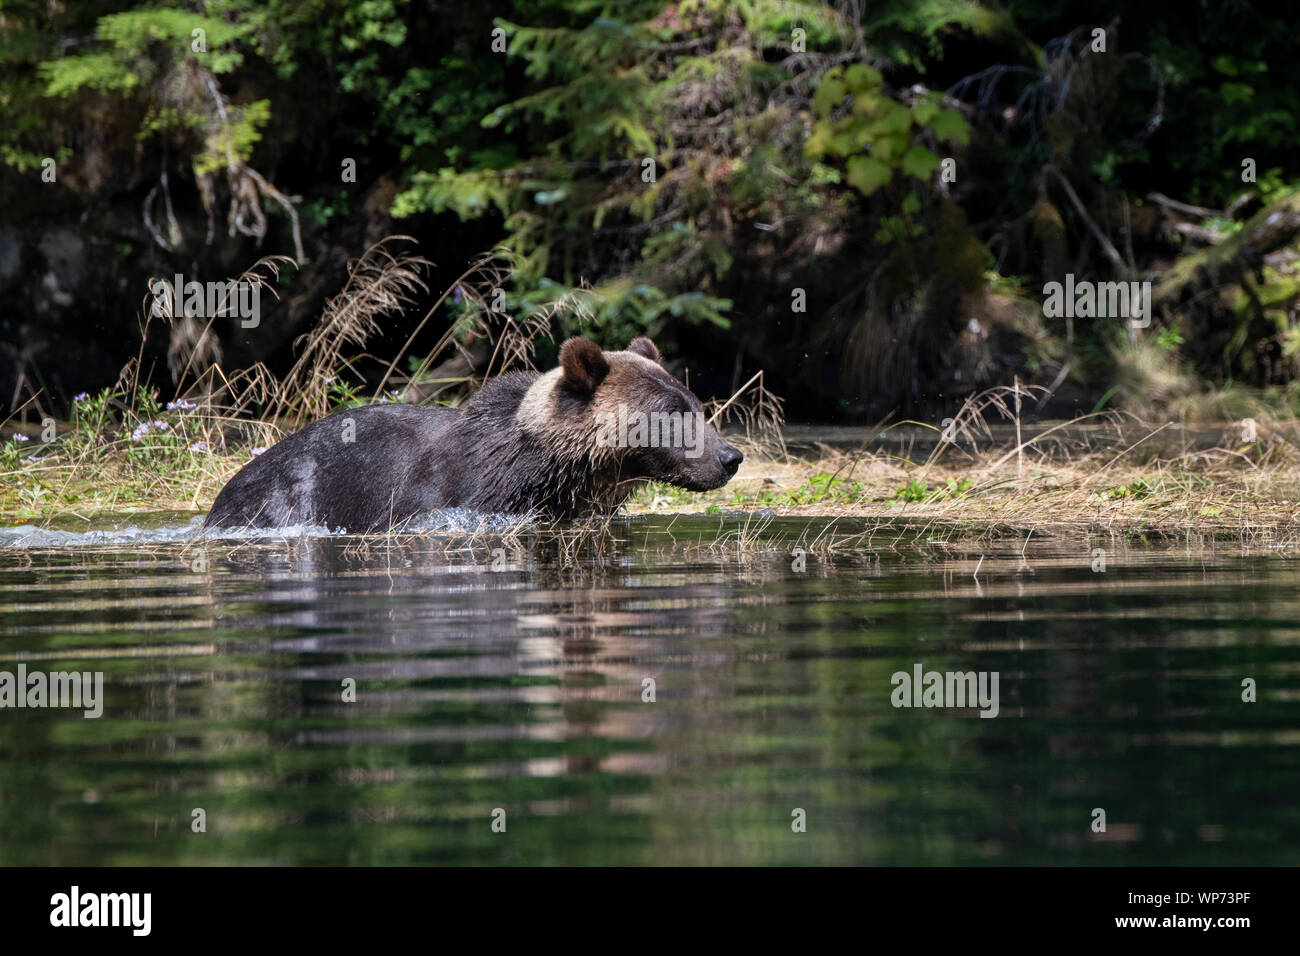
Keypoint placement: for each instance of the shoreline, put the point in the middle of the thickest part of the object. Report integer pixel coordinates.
(1218, 490)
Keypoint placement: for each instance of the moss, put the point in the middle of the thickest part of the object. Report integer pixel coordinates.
(1226, 257)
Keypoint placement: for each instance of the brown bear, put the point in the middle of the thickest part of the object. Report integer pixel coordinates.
(572, 442)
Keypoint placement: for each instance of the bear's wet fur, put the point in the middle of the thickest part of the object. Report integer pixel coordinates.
(527, 442)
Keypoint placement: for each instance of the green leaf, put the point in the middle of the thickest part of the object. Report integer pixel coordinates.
(866, 174)
(861, 77)
(819, 141)
(829, 95)
(951, 125)
(888, 148)
(894, 118)
(919, 162)
(1236, 93)
(1225, 65)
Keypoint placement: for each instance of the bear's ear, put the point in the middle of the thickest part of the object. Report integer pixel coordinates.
(646, 349)
(584, 365)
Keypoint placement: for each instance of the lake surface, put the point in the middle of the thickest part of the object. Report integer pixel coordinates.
(505, 689)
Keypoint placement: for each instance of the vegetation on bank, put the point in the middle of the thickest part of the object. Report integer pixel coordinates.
(175, 457)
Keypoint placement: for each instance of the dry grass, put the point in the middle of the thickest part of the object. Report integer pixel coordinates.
(383, 282)
(127, 450)
(1141, 479)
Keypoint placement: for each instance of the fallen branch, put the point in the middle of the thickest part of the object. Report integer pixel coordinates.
(1107, 246)
(1199, 233)
(1200, 212)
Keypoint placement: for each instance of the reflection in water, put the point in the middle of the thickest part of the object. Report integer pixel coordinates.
(513, 673)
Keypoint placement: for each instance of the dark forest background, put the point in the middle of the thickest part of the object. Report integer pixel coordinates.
(755, 184)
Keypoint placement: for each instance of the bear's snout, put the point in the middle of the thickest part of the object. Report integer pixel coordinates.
(729, 458)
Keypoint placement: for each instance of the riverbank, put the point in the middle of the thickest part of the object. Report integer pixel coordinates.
(1242, 486)
(1118, 475)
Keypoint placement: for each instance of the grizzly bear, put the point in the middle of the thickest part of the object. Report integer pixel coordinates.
(572, 442)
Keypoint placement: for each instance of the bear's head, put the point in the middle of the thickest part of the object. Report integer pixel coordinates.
(623, 410)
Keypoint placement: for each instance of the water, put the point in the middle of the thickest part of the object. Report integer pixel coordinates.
(511, 678)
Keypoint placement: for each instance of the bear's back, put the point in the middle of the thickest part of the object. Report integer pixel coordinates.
(328, 472)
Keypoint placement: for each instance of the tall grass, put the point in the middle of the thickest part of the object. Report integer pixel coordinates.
(128, 447)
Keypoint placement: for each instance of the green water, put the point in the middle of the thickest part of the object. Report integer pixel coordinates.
(514, 694)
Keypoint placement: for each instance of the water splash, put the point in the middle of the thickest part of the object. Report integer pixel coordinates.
(30, 536)
(165, 530)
